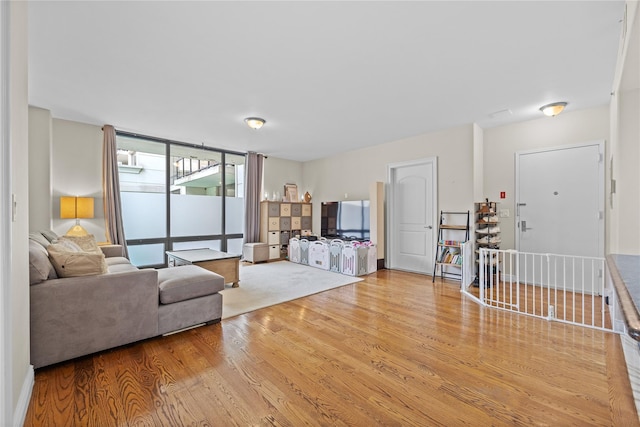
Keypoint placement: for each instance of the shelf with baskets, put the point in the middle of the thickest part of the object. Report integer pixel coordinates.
(487, 231)
(279, 221)
(453, 230)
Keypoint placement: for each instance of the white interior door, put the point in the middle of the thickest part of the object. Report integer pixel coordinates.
(412, 212)
(560, 200)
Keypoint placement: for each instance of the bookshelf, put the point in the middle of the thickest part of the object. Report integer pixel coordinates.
(453, 230)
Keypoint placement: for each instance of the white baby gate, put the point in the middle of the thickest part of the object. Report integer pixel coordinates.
(569, 289)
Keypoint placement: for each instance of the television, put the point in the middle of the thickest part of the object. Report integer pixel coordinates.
(346, 220)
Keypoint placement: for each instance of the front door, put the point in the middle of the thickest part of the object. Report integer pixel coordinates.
(560, 200)
(412, 212)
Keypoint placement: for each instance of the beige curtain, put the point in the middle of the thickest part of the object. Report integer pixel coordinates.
(111, 190)
(253, 190)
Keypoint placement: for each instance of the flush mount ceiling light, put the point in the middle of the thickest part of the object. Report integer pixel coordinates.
(254, 122)
(553, 109)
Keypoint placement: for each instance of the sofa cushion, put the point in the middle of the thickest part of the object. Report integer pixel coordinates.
(71, 262)
(186, 282)
(40, 268)
(115, 260)
(120, 268)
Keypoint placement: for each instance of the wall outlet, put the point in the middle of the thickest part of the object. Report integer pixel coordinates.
(504, 213)
(552, 312)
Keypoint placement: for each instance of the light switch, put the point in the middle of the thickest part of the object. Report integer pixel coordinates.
(504, 213)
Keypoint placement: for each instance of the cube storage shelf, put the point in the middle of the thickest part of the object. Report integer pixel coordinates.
(280, 221)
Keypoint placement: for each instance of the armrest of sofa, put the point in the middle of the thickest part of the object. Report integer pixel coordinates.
(112, 250)
(76, 316)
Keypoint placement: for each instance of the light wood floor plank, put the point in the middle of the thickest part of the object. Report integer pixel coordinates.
(394, 349)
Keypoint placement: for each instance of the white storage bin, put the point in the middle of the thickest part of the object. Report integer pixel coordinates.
(319, 255)
(304, 251)
(274, 252)
(294, 250)
(335, 255)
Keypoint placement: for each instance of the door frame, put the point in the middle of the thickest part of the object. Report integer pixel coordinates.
(390, 205)
(6, 365)
(601, 186)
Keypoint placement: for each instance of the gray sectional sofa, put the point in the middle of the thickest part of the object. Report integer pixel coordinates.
(76, 316)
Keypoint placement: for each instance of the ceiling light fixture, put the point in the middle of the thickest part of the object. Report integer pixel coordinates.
(254, 122)
(553, 109)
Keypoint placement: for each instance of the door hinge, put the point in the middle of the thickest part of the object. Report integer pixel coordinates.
(600, 157)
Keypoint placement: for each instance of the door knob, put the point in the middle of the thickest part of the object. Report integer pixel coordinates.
(428, 226)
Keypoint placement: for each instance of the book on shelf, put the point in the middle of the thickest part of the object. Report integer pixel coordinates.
(450, 242)
(449, 254)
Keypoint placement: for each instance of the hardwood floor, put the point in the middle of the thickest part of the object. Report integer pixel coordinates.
(535, 300)
(394, 349)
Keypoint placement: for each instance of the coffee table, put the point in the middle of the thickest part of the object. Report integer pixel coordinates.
(222, 263)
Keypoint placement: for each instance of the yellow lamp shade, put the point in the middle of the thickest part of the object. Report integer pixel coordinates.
(76, 207)
(67, 207)
(84, 207)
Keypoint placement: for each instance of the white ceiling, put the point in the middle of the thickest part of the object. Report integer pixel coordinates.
(327, 76)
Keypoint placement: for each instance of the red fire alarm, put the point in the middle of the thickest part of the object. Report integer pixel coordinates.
(503, 194)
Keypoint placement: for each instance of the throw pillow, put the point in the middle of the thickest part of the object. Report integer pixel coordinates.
(40, 268)
(50, 235)
(86, 243)
(69, 262)
(38, 237)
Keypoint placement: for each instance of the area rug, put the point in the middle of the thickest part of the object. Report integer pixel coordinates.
(263, 285)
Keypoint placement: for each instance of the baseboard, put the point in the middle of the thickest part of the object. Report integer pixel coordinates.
(25, 396)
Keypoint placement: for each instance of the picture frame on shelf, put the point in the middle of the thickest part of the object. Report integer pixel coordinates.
(291, 192)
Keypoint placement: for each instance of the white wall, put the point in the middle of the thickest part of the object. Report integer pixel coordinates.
(626, 169)
(39, 169)
(478, 163)
(624, 205)
(21, 372)
(348, 176)
(278, 172)
(501, 144)
(77, 171)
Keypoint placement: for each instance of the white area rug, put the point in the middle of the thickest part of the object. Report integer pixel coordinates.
(263, 285)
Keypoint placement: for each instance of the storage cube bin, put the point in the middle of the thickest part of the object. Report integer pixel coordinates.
(274, 252)
(319, 255)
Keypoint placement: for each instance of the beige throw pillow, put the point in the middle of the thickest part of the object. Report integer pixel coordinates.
(86, 243)
(71, 262)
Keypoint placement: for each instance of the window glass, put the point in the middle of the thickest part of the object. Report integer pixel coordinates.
(184, 193)
(234, 203)
(142, 172)
(197, 244)
(146, 255)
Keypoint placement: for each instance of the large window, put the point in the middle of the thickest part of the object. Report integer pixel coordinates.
(177, 196)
